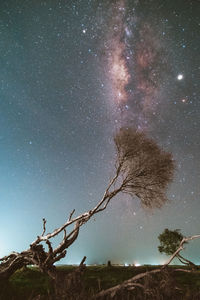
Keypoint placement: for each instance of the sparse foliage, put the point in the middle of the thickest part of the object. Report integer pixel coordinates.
(145, 168)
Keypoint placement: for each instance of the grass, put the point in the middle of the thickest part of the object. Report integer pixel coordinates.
(104, 277)
(23, 284)
(26, 283)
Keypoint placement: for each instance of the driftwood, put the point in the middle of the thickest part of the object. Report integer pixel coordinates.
(127, 284)
(147, 284)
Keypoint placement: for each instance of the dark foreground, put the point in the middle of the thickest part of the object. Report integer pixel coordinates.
(31, 284)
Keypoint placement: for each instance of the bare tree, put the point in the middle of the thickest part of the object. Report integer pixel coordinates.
(142, 169)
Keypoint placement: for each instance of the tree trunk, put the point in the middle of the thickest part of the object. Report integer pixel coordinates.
(186, 261)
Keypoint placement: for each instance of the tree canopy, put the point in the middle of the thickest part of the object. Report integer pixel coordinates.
(169, 241)
(145, 167)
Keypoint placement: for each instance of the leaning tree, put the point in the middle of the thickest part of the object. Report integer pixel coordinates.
(142, 169)
(170, 241)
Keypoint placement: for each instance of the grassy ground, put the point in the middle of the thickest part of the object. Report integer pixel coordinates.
(26, 283)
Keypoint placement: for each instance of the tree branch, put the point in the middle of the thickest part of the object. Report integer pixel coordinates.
(44, 226)
(124, 285)
(180, 248)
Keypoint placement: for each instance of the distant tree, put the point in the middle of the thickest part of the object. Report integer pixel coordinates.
(142, 169)
(170, 241)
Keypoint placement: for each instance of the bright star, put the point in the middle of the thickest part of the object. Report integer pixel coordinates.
(180, 76)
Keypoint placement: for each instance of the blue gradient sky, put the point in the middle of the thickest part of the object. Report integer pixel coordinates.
(58, 116)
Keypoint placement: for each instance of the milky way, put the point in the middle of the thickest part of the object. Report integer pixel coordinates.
(136, 65)
(118, 69)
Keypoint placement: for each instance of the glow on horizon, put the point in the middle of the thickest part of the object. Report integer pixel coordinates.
(126, 264)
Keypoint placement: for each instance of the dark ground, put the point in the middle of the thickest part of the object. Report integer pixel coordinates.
(26, 284)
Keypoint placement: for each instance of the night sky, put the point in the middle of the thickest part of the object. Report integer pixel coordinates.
(72, 73)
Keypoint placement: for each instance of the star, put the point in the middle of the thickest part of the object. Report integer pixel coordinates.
(180, 76)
